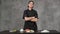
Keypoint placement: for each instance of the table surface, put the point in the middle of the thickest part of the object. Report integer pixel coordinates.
(18, 32)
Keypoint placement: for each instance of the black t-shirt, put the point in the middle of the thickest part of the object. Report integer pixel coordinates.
(30, 13)
(30, 24)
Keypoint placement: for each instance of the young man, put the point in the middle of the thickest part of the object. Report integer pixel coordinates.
(30, 16)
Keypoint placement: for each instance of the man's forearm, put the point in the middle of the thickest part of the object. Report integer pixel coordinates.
(27, 18)
(31, 19)
(34, 19)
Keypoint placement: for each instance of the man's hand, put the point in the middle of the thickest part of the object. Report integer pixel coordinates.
(31, 19)
(34, 19)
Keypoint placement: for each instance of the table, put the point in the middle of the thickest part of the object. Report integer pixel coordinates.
(18, 32)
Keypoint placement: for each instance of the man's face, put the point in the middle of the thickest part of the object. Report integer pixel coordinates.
(31, 4)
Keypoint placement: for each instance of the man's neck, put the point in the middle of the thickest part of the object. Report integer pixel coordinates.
(30, 8)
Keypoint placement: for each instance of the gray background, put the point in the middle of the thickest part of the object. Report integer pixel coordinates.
(11, 12)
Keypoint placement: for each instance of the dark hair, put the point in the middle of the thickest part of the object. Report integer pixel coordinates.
(31, 1)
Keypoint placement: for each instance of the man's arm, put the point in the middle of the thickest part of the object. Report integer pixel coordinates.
(27, 18)
(34, 19)
(31, 19)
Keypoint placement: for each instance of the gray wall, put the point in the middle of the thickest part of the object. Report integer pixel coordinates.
(11, 12)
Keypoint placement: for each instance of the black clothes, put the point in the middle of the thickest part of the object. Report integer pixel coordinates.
(29, 24)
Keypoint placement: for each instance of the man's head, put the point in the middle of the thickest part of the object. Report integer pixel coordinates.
(31, 4)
